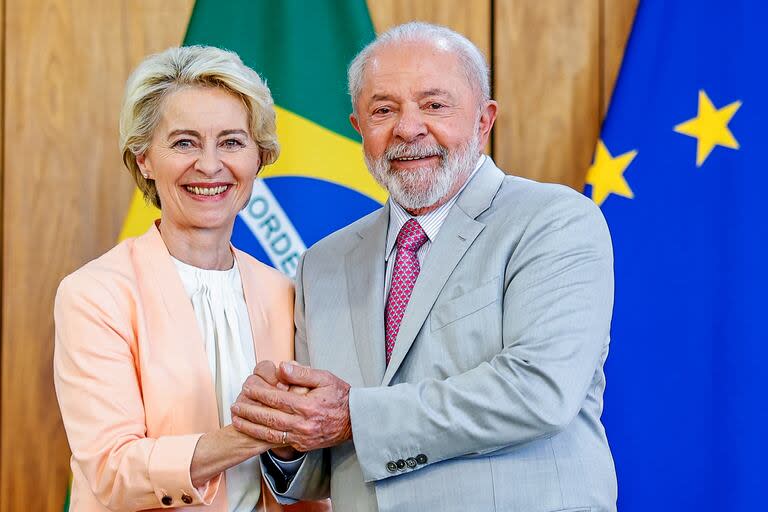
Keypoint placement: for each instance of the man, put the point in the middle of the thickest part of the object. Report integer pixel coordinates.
(457, 335)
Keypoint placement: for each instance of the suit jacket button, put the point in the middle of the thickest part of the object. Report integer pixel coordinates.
(166, 500)
(421, 458)
(410, 462)
(186, 498)
(391, 466)
(400, 464)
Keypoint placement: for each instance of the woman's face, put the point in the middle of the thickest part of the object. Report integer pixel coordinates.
(202, 158)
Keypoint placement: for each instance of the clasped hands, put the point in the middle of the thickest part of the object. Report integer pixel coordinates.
(293, 405)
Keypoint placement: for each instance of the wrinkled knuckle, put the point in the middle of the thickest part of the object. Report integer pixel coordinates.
(275, 437)
(306, 429)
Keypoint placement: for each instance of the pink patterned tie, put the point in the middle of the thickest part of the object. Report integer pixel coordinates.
(404, 275)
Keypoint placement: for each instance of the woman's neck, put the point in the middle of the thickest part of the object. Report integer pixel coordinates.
(202, 248)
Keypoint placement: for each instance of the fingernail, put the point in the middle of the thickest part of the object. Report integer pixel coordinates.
(247, 390)
(288, 368)
(236, 409)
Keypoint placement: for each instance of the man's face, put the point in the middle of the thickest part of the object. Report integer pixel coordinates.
(423, 125)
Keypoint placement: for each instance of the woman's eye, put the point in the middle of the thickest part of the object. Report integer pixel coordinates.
(233, 144)
(183, 144)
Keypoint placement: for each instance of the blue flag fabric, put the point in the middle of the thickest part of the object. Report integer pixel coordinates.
(680, 176)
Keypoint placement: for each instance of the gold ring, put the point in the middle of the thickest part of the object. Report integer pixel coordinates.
(285, 437)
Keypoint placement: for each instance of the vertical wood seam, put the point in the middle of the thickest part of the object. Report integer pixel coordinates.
(492, 65)
(3, 131)
(601, 42)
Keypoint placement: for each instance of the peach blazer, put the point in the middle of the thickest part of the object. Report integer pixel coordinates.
(132, 377)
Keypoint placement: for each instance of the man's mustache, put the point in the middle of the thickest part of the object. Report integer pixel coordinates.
(405, 150)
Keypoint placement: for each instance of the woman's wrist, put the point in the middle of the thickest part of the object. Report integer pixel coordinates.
(220, 450)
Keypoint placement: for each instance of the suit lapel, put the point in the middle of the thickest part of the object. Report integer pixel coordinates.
(365, 286)
(456, 235)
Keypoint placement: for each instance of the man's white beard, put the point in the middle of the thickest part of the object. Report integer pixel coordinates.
(422, 187)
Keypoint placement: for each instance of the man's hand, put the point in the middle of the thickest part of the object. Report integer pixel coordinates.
(265, 375)
(316, 419)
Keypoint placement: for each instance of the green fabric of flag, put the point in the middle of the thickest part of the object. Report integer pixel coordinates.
(301, 47)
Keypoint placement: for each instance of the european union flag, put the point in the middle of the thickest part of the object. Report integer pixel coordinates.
(681, 176)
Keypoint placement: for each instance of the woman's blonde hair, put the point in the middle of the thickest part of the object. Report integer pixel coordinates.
(161, 74)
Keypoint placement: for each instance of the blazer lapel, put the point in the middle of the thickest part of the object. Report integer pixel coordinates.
(456, 235)
(365, 287)
(184, 335)
(254, 290)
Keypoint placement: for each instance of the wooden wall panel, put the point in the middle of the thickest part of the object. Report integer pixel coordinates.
(473, 19)
(547, 83)
(65, 197)
(617, 18)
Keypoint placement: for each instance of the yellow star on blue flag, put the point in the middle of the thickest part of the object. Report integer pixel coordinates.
(606, 175)
(710, 127)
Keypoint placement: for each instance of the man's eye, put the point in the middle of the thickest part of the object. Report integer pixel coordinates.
(435, 106)
(382, 110)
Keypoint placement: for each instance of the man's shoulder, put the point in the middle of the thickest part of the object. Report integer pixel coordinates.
(526, 198)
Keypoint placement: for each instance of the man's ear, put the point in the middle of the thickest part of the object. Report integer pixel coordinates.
(487, 118)
(355, 123)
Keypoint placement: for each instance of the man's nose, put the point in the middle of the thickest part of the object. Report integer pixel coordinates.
(209, 161)
(410, 124)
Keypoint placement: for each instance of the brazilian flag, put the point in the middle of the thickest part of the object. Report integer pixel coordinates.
(681, 177)
(320, 183)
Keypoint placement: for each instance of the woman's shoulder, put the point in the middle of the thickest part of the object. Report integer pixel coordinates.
(104, 275)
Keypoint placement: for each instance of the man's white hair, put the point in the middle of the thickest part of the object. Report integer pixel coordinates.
(471, 58)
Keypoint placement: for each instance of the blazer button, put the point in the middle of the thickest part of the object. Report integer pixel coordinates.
(186, 498)
(166, 500)
(410, 462)
(400, 464)
(421, 458)
(391, 466)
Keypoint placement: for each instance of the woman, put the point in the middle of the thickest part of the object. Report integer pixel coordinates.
(155, 338)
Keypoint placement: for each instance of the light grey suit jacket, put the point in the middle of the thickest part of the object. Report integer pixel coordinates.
(493, 396)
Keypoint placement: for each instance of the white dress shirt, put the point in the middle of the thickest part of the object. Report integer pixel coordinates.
(430, 223)
(219, 304)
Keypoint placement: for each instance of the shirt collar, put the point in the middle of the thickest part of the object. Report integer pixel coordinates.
(430, 222)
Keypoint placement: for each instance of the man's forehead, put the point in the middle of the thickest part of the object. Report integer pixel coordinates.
(415, 69)
(398, 53)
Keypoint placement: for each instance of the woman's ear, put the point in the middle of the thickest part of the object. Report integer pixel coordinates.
(144, 167)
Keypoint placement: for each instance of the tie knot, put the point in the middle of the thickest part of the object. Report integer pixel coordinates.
(411, 236)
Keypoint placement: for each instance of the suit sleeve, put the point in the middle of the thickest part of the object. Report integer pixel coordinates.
(312, 479)
(99, 394)
(556, 318)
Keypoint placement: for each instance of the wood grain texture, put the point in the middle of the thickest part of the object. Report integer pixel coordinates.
(65, 194)
(617, 18)
(547, 83)
(473, 19)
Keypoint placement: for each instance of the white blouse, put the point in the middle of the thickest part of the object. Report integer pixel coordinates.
(219, 304)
